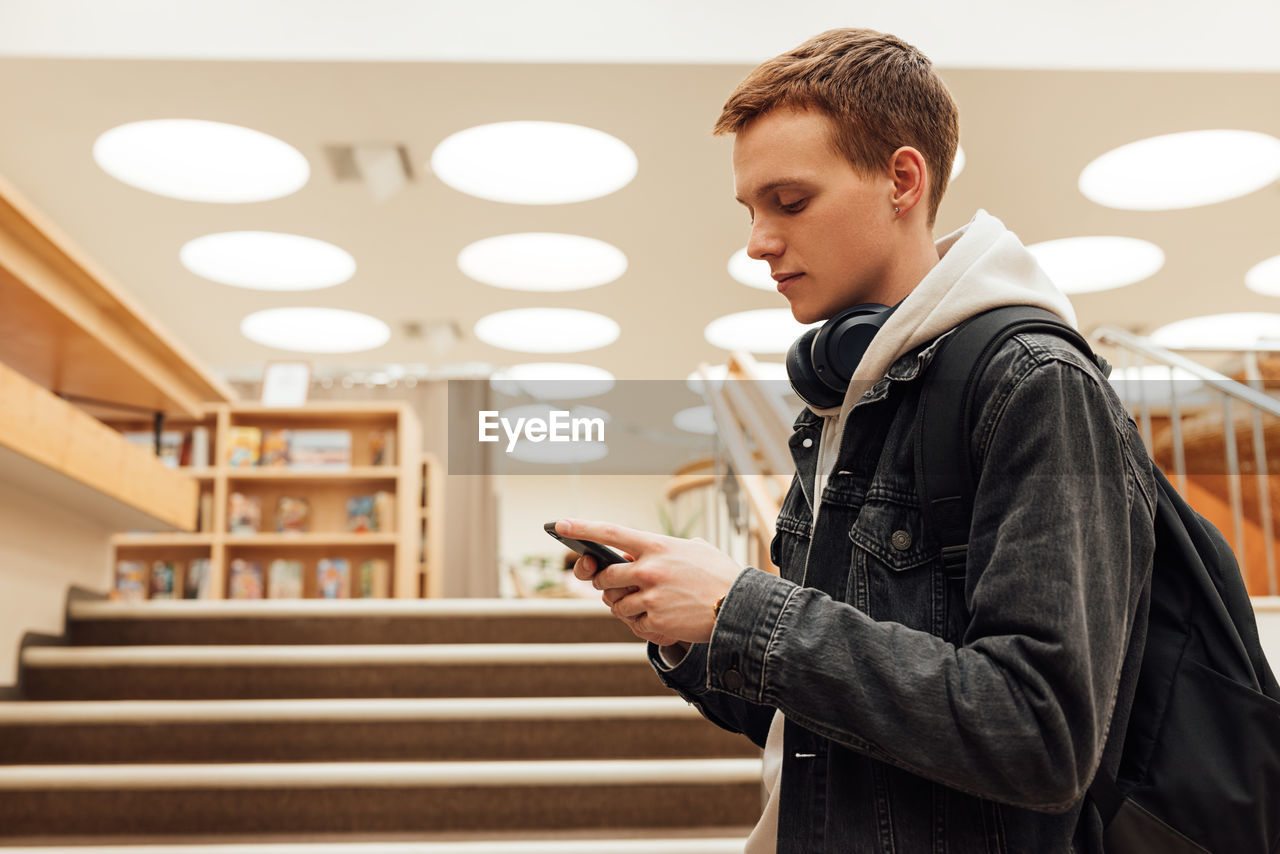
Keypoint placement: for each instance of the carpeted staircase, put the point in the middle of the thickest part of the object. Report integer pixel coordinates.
(441, 727)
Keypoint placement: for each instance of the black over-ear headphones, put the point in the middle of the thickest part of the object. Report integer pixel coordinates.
(821, 362)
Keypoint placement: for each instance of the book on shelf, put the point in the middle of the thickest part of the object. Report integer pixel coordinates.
(171, 444)
(371, 513)
(320, 450)
(333, 578)
(382, 447)
(196, 583)
(199, 457)
(244, 446)
(164, 579)
(374, 579)
(293, 514)
(131, 581)
(244, 513)
(246, 579)
(206, 512)
(275, 448)
(284, 579)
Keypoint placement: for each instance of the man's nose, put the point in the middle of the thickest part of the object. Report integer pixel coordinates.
(764, 241)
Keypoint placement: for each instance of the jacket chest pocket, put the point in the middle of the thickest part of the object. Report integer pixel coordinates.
(897, 566)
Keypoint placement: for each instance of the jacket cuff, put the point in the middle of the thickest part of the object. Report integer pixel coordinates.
(736, 654)
(689, 676)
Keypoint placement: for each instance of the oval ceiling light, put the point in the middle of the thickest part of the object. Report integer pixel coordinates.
(762, 330)
(552, 380)
(1182, 170)
(547, 330)
(957, 165)
(315, 330)
(1080, 265)
(559, 453)
(201, 161)
(539, 261)
(267, 261)
(696, 419)
(749, 271)
(1154, 384)
(1235, 331)
(1264, 277)
(534, 163)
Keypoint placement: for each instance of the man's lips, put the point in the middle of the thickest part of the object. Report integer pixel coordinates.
(785, 280)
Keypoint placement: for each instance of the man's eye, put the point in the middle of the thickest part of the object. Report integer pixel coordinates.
(794, 207)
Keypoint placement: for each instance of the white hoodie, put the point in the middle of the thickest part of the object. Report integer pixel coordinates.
(982, 265)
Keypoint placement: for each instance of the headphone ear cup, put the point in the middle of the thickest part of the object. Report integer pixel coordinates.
(804, 378)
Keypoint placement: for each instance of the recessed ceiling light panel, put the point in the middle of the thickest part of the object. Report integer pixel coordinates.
(696, 419)
(547, 330)
(553, 380)
(534, 163)
(762, 330)
(201, 161)
(1182, 170)
(749, 271)
(1264, 277)
(957, 165)
(1081, 265)
(268, 261)
(770, 372)
(542, 262)
(315, 330)
(1221, 332)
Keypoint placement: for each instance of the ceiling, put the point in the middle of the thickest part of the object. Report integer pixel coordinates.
(1040, 96)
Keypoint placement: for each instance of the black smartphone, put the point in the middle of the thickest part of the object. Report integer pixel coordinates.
(603, 554)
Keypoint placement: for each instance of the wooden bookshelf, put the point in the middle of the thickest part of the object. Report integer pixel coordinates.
(326, 491)
(430, 525)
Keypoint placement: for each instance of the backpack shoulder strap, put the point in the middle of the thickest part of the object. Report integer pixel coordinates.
(944, 475)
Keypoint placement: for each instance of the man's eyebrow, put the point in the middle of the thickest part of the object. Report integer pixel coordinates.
(773, 185)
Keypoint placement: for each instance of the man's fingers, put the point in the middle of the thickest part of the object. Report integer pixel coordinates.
(584, 567)
(613, 594)
(627, 539)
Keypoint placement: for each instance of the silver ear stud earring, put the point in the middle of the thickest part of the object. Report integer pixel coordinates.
(895, 210)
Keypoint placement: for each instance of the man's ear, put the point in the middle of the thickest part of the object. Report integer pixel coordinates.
(910, 178)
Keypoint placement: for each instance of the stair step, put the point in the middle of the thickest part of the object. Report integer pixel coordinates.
(352, 621)
(369, 670)
(377, 796)
(650, 844)
(359, 730)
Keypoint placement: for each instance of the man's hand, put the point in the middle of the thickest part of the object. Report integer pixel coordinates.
(669, 590)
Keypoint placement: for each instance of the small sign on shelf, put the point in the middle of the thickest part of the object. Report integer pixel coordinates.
(286, 383)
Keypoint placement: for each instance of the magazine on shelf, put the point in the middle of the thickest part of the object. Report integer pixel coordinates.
(384, 511)
(246, 579)
(244, 446)
(164, 578)
(244, 513)
(196, 583)
(293, 514)
(284, 579)
(320, 450)
(131, 581)
(275, 448)
(374, 579)
(360, 514)
(333, 578)
(199, 448)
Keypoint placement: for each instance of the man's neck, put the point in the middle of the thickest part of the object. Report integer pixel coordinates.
(909, 268)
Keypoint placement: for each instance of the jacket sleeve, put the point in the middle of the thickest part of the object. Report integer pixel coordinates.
(1059, 552)
(689, 679)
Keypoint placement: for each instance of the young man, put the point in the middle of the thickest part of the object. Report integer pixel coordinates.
(903, 710)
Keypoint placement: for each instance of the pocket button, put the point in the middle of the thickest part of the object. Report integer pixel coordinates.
(901, 540)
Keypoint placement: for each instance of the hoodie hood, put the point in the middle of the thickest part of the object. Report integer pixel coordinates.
(982, 265)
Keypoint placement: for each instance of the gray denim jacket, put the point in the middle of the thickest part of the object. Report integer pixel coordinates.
(934, 714)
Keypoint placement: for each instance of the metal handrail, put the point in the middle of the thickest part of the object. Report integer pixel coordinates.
(1252, 396)
(1221, 382)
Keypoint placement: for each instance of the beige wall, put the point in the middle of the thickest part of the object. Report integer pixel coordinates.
(44, 550)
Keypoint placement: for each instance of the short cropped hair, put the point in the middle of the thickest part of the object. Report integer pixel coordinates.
(880, 92)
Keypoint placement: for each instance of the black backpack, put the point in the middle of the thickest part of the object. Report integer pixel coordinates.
(1200, 769)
